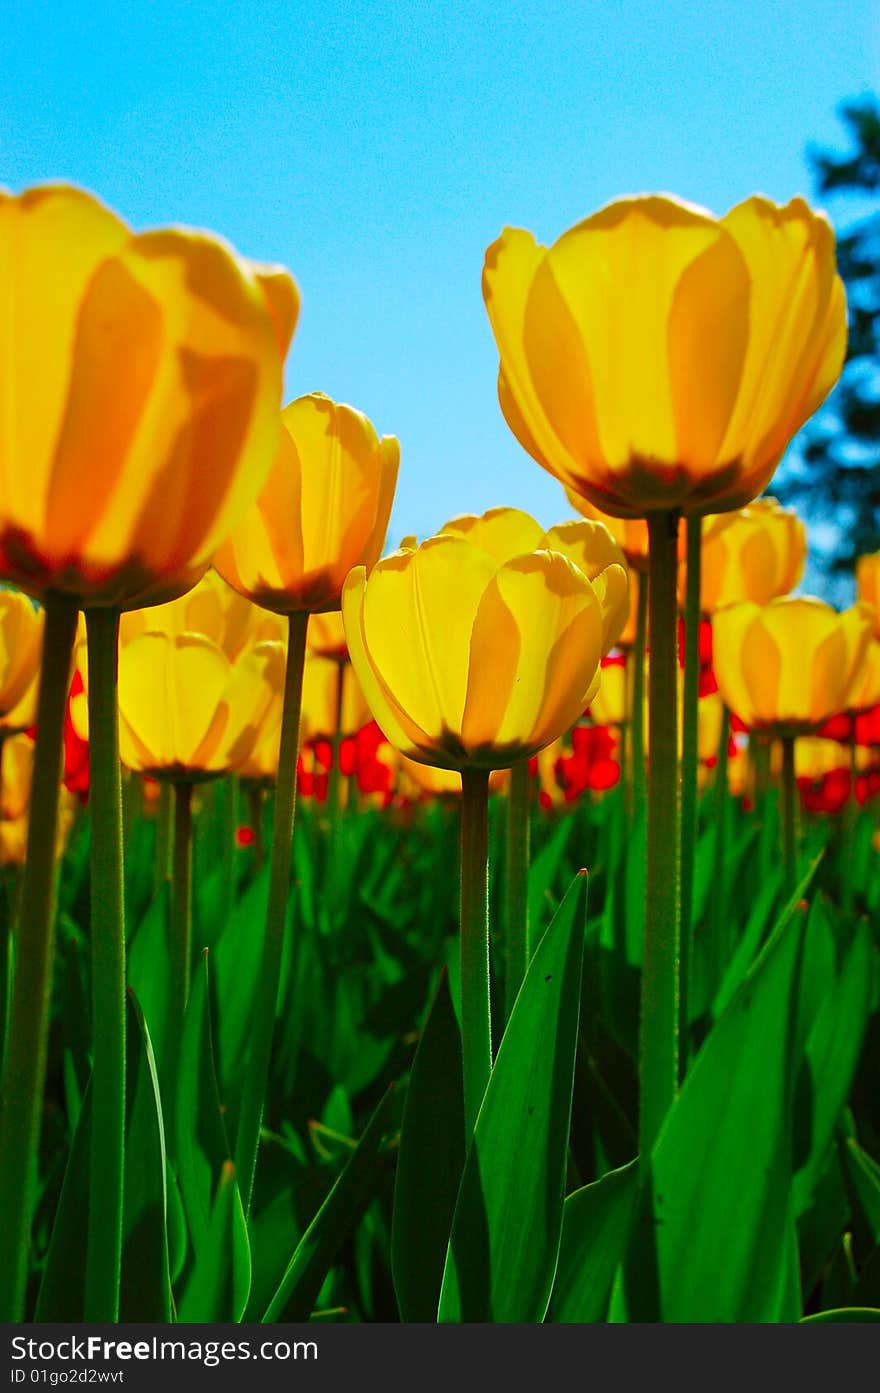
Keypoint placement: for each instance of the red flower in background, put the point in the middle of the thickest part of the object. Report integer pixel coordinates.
(591, 764)
(76, 750)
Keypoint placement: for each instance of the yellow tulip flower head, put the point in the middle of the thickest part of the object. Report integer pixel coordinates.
(508, 532)
(630, 534)
(326, 637)
(755, 553)
(468, 662)
(142, 376)
(866, 693)
(212, 608)
(324, 509)
(868, 584)
(21, 641)
(15, 795)
(788, 666)
(657, 358)
(186, 712)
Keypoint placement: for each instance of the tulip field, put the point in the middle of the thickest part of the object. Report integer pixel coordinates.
(480, 927)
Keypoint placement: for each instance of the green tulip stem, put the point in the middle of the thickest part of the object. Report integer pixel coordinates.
(637, 714)
(689, 761)
(181, 904)
(164, 817)
(789, 816)
(719, 938)
(255, 817)
(658, 1040)
(334, 783)
(21, 1099)
(257, 1074)
(107, 1164)
(518, 840)
(476, 1026)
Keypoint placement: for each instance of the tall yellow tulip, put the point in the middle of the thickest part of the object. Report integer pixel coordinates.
(657, 361)
(472, 662)
(323, 510)
(468, 663)
(788, 666)
(21, 639)
(656, 357)
(755, 553)
(139, 416)
(868, 583)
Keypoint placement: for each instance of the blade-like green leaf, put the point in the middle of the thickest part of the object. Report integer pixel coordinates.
(595, 1231)
(508, 1217)
(848, 1315)
(220, 1281)
(429, 1163)
(713, 1237)
(832, 1053)
(145, 1292)
(298, 1289)
(201, 1148)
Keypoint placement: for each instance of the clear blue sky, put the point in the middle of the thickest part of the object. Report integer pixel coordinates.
(377, 148)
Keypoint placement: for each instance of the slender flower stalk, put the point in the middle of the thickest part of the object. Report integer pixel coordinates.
(658, 1043)
(789, 816)
(181, 902)
(689, 759)
(637, 715)
(719, 934)
(518, 845)
(164, 819)
(21, 1101)
(107, 1165)
(334, 784)
(247, 1142)
(476, 1025)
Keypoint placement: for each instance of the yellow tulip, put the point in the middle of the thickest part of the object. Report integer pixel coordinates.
(211, 608)
(142, 376)
(610, 705)
(656, 358)
(754, 554)
(187, 712)
(320, 684)
(630, 534)
(508, 532)
(791, 665)
(326, 636)
(324, 509)
(868, 584)
(468, 663)
(15, 793)
(21, 642)
(866, 693)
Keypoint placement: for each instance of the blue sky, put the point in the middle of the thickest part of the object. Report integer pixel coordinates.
(377, 149)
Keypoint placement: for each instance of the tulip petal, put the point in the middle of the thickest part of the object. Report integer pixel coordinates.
(501, 532)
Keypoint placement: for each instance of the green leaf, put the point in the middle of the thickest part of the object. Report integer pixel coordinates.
(429, 1162)
(145, 1293)
(148, 971)
(220, 1281)
(595, 1230)
(544, 873)
(235, 968)
(862, 1176)
(298, 1289)
(201, 1146)
(843, 1314)
(713, 1238)
(832, 1054)
(508, 1219)
(63, 1287)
